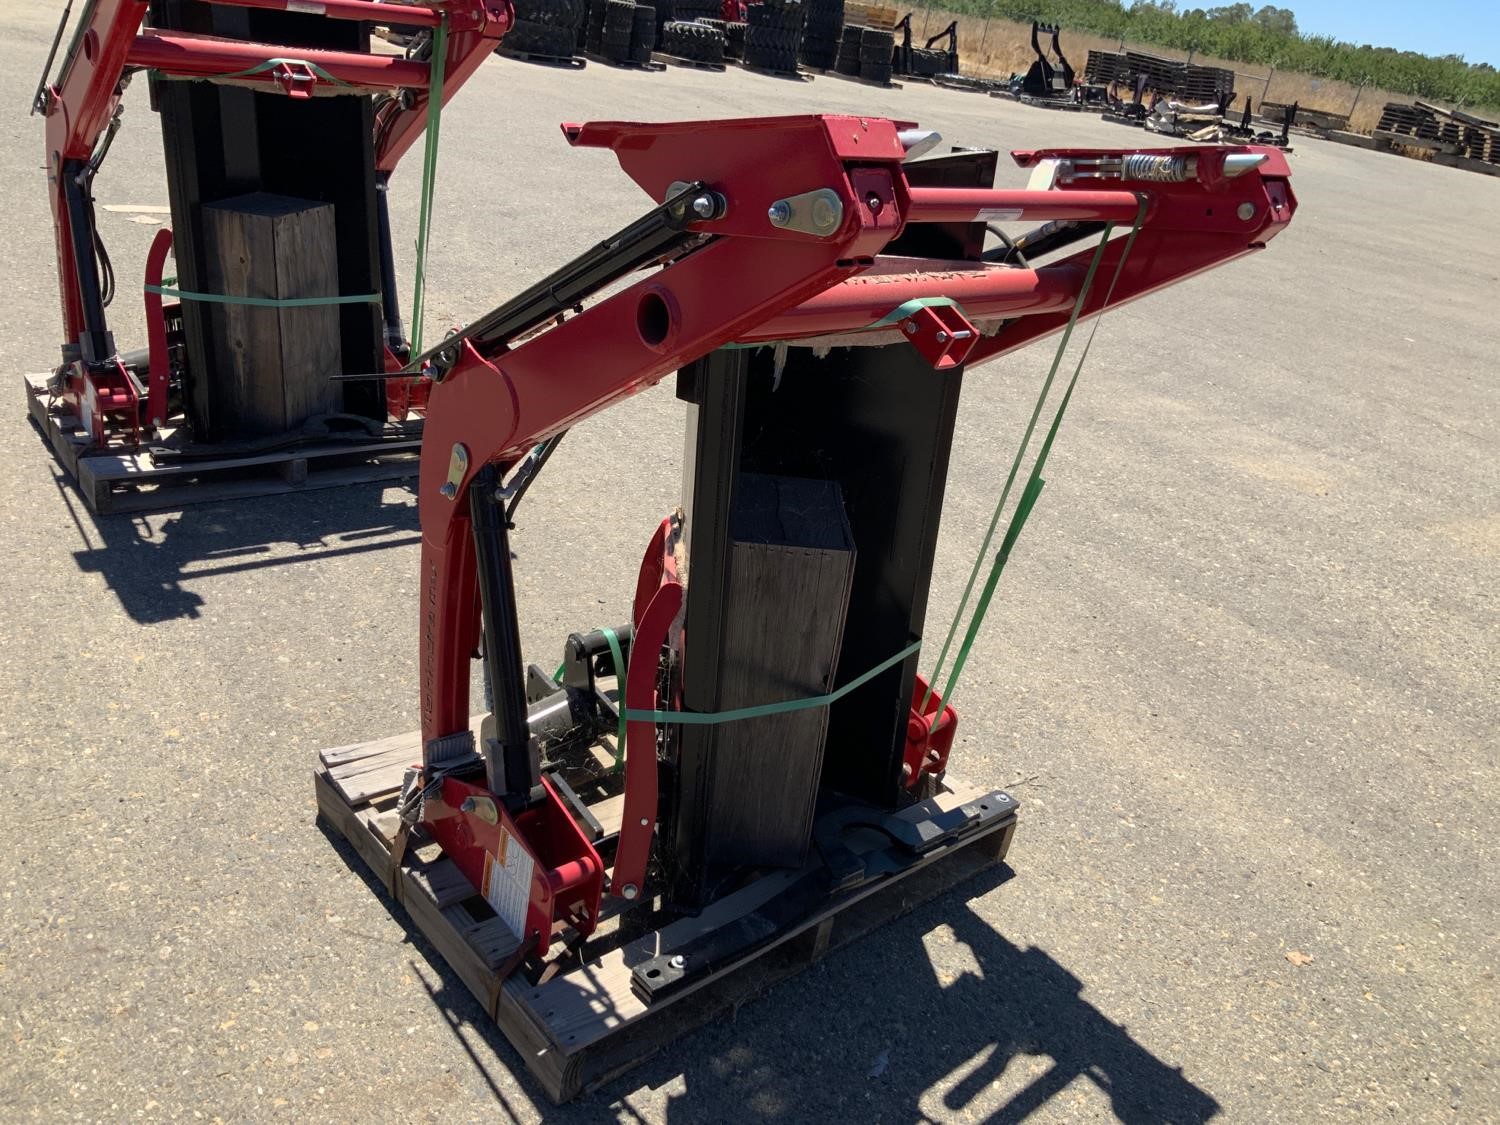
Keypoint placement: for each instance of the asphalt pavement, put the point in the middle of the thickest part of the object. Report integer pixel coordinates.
(1242, 675)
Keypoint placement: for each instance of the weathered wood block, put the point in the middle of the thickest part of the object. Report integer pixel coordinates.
(274, 367)
(790, 569)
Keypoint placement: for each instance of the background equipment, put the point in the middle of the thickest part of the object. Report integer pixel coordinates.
(282, 130)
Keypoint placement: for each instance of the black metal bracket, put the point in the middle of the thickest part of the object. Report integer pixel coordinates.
(842, 871)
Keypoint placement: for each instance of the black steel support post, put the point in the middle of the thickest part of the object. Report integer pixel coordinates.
(97, 344)
(390, 299)
(513, 770)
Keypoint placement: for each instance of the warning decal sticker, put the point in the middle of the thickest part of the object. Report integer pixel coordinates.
(507, 882)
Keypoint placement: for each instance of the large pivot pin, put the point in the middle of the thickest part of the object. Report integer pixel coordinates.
(819, 213)
(458, 465)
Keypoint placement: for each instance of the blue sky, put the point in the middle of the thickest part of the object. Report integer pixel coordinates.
(1470, 28)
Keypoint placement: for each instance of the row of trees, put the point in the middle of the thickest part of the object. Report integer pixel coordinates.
(1266, 36)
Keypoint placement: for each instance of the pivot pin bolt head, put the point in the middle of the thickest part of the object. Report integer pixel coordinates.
(1246, 212)
(703, 206)
(824, 216)
(780, 213)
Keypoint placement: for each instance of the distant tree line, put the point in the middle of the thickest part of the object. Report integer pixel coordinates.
(1265, 36)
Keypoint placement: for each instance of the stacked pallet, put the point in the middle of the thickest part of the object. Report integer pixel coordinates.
(1408, 120)
(1452, 135)
(1168, 78)
(1162, 75)
(1206, 84)
(871, 15)
(1104, 67)
(1456, 132)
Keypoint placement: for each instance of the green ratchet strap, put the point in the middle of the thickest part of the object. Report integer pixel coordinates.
(614, 651)
(714, 718)
(1034, 483)
(436, 67)
(902, 311)
(263, 302)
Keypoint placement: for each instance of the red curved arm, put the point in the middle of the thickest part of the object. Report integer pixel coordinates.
(756, 282)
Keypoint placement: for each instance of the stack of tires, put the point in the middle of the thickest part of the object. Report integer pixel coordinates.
(593, 28)
(773, 34)
(848, 56)
(876, 49)
(643, 33)
(545, 27)
(734, 40)
(696, 41)
(821, 36)
(686, 11)
(617, 29)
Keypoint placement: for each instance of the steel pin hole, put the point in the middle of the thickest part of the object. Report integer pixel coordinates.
(653, 319)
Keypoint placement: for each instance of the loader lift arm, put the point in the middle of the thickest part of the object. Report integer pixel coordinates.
(767, 230)
(110, 45)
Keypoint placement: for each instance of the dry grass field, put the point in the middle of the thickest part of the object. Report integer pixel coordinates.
(998, 48)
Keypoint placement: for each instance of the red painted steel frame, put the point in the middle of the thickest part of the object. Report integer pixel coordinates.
(110, 41)
(757, 282)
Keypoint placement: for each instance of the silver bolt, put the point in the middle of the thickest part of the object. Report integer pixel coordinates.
(448, 491)
(942, 337)
(629, 890)
(911, 328)
(703, 206)
(678, 961)
(780, 213)
(1246, 211)
(824, 216)
(644, 822)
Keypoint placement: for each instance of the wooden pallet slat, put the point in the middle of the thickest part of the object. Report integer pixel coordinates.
(120, 481)
(586, 1025)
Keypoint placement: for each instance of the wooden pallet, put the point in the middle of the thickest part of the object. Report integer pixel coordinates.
(798, 75)
(694, 64)
(624, 64)
(569, 62)
(871, 15)
(123, 481)
(892, 85)
(584, 1025)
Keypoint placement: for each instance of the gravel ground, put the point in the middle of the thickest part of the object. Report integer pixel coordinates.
(1243, 676)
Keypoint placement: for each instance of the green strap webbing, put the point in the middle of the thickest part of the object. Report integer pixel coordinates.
(436, 67)
(1015, 465)
(904, 310)
(1034, 482)
(614, 651)
(263, 302)
(714, 718)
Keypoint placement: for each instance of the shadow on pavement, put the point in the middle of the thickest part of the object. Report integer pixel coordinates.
(870, 1033)
(147, 559)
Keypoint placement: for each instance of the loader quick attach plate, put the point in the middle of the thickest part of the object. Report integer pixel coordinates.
(595, 1011)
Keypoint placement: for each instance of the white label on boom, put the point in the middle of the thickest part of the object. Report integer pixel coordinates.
(507, 882)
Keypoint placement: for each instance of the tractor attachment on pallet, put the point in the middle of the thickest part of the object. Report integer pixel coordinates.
(724, 777)
(279, 341)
